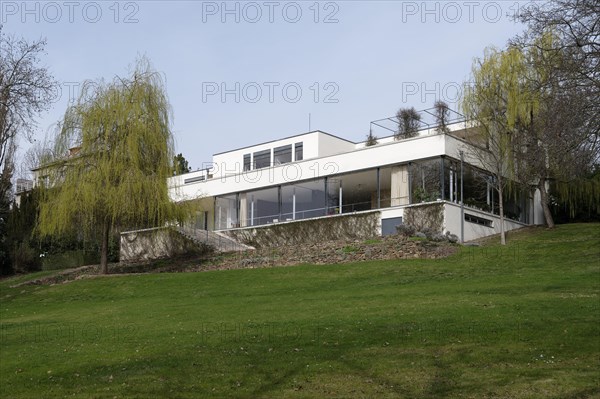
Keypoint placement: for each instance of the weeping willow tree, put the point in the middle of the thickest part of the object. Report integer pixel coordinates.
(110, 161)
(558, 143)
(536, 123)
(581, 195)
(497, 104)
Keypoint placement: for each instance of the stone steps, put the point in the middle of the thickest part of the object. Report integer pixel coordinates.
(220, 242)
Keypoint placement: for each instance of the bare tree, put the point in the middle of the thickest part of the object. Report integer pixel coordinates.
(561, 141)
(39, 153)
(26, 90)
(552, 147)
(576, 23)
(555, 140)
(575, 28)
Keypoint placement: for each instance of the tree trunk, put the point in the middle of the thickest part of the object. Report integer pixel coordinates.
(104, 250)
(544, 202)
(501, 209)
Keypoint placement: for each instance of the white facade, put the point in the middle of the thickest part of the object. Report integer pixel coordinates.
(334, 157)
(317, 174)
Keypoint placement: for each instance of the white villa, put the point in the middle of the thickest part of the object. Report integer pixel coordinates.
(319, 175)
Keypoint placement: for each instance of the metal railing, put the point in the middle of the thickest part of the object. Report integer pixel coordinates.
(308, 214)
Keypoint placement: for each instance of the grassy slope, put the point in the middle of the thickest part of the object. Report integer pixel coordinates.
(518, 322)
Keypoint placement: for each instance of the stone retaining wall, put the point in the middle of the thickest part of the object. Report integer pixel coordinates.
(346, 227)
(149, 244)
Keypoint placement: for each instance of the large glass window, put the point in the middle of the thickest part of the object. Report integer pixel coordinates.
(451, 180)
(333, 196)
(288, 203)
(359, 191)
(425, 181)
(385, 187)
(310, 199)
(480, 192)
(298, 152)
(292, 202)
(226, 212)
(262, 159)
(262, 206)
(478, 189)
(282, 154)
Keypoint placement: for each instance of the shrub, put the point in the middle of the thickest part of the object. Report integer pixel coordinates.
(405, 230)
(25, 258)
(453, 238)
(439, 237)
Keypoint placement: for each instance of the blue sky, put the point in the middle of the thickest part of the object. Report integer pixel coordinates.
(344, 62)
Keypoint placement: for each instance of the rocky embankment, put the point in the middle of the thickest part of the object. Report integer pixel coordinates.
(319, 253)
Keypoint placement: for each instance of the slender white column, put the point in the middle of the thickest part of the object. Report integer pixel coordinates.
(252, 212)
(294, 204)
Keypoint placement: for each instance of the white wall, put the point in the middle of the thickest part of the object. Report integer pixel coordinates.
(366, 158)
(452, 222)
(315, 144)
(232, 162)
(179, 180)
(389, 213)
(330, 145)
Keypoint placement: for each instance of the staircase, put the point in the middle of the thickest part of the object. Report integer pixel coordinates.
(220, 242)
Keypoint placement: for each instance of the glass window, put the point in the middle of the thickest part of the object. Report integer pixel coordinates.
(194, 179)
(310, 199)
(282, 154)
(478, 220)
(425, 181)
(299, 156)
(246, 162)
(359, 191)
(262, 206)
(226, 212)
(262, 159)
(288, 203)
(333, 196)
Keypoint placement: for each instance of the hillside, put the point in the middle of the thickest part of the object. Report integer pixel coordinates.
(521, 321)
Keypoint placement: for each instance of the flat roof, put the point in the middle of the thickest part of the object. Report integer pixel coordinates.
(285, 138)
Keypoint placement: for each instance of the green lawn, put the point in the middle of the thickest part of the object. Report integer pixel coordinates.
(518, 322)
